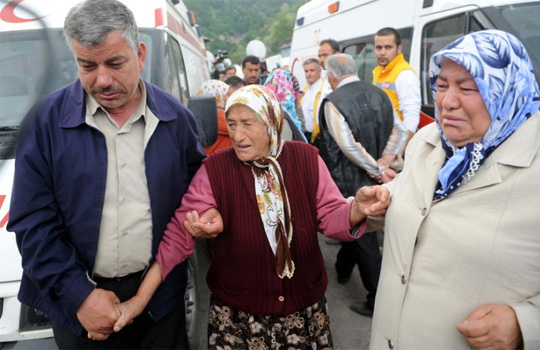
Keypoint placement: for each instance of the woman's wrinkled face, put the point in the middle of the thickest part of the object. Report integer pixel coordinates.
(249, 135)
(463, 115)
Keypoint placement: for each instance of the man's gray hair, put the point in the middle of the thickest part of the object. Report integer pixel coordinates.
(341, 64)
(312, 60)
(90, 22)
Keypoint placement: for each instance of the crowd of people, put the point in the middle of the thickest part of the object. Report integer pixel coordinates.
(456, 201)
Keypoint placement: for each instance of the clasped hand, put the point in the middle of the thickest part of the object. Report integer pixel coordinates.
(112, 318)
(101, 313)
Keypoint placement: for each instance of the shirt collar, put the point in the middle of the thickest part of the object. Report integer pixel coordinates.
(347, 80)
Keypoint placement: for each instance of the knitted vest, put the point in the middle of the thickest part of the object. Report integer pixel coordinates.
(242, 271)
(385, 78)
(369, 114)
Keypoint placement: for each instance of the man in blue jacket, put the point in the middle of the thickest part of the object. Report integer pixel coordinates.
(101, 166)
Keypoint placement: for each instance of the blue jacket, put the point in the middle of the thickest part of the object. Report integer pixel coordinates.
(58, 194)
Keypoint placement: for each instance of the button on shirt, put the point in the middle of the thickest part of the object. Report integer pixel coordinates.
(125, 237)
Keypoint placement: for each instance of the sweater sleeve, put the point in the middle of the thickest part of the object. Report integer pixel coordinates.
(333, 209)
(177, 243)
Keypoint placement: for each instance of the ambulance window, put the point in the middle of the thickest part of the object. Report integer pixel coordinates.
(177, 78)
(435, 36)
(364, 56)
(32, 63)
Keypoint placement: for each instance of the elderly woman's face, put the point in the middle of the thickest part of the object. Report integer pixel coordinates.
(463, 115)
(248, 134)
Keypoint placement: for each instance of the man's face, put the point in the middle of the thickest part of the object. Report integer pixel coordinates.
(325, 51)
(251, 72)
(312, 72)
(386, 49)
(110, 71)
(230, 73)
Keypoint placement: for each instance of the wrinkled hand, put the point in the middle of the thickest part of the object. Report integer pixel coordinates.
(369, 201)
(129, 309)
(492, 326)
(208, 225)
(98, 313)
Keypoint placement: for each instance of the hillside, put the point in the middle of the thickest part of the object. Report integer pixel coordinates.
(231, 24)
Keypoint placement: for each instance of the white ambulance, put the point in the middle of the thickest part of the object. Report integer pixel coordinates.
(35, 60)
(425, 27)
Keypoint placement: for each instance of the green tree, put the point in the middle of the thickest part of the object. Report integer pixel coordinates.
(231, 24)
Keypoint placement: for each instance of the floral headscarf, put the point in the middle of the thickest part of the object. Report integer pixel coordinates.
(505, 78)
(282, 83)
(272, 197)
(215, 88)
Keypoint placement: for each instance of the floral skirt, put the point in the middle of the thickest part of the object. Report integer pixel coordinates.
(232, 329)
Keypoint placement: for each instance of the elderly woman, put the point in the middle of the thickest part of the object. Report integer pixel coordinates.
(461, 262)
(267, 275)
(219, 90)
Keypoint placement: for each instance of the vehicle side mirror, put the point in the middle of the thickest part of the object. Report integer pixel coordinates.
(205, 112)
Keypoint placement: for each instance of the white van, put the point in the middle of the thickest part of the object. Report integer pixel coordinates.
(35, 60)
(425, 27)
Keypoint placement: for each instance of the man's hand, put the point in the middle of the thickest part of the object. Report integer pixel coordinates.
(369, 201)
(98, 313)
(492, 326)
(209, 225)
(386, 160)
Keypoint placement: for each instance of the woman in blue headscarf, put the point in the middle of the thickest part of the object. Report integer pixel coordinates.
(461, 261)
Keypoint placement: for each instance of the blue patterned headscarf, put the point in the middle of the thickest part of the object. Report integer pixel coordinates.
(505, 78)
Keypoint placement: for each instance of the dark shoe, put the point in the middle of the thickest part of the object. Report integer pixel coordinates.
(361, 308)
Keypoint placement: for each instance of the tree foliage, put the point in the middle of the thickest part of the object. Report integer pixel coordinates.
(231, 24)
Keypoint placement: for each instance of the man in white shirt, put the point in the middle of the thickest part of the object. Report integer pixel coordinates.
(316, 90)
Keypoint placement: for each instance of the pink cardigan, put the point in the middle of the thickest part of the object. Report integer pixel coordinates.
(177, 243)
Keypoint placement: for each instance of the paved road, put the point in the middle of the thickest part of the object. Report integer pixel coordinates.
(350, 330)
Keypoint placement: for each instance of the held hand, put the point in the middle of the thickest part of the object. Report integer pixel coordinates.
(369, 201)
(129, 309)
(389, 175)
(492, 326)
(98, 313)
(209, 225)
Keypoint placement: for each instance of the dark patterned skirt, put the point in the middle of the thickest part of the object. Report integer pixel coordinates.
(232, 329)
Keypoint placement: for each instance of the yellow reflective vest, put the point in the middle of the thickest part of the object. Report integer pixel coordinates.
(385, 78)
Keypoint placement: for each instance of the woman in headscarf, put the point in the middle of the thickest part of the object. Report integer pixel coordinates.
(286, 87)
(461, 262)
(219, 90)
(267, 275)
